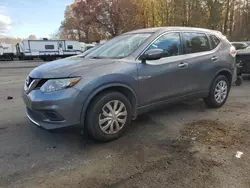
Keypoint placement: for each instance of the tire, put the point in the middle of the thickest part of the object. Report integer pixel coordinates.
(95, 114)
(211, 100)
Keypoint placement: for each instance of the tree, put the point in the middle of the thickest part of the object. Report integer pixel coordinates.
(9, 40)
(32, 37)
(227, 7)
(91, 20)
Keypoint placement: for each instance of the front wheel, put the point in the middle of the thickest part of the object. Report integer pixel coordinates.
(218, 93)
(109, 116)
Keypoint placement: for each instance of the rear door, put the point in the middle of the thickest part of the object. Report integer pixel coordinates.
(199, 58)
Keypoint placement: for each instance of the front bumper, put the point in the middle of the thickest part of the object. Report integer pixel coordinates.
(54, 110)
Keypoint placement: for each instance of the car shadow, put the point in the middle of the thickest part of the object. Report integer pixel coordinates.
(145, 125)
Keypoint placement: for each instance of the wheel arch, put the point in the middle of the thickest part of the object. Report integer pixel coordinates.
(122, 88)
(227, 73)
(210, 99)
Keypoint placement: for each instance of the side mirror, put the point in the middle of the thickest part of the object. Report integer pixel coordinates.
(153, 54)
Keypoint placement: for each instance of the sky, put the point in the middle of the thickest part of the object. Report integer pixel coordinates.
(21, 18)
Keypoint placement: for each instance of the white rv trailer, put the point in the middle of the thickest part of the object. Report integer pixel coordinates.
(7, 51)
(86, 46)
(83, 46)
(47, 49)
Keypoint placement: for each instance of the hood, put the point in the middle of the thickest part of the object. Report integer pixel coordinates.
(65, 67)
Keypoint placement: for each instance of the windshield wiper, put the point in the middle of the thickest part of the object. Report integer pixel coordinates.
(96, 57)
(103, 57)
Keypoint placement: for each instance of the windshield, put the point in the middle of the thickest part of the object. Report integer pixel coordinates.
(88, 51)
(82, 55)
(120, 46)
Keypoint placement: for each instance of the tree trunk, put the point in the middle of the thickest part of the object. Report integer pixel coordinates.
(185, 12)
(231, 19)
(153, 14)
(226, 17)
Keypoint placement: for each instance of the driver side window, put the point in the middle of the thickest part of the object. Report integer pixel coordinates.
(170, 43)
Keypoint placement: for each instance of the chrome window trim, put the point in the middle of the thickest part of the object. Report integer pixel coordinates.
(167, 32)
(180, 33)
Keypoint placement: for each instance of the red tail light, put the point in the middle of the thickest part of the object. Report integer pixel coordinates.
(233, 51)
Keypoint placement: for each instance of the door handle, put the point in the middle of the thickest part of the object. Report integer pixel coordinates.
(183, 65)
(214, 58)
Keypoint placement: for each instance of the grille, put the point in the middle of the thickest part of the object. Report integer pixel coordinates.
(40, 83)
(34, 83)
(28, 81)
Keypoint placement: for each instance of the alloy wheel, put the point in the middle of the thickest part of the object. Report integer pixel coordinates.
(113, 117)
(221, 91)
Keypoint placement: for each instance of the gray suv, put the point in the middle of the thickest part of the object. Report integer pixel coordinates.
(129, 75)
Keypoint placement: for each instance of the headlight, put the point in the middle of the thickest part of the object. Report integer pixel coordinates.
(58, 84)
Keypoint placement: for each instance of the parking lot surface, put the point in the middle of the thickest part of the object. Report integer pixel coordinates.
(182, 145)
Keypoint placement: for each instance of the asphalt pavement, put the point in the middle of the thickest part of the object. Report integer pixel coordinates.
(20, 64)
(182, 145)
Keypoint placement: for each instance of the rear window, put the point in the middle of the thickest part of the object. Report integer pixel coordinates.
(196, 42)
(49, 47)
(214, 41)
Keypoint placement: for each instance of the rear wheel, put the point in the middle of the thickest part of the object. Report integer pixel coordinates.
(218, 93)
(109, 116)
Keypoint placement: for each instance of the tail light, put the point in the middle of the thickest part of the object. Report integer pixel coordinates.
(233, 51)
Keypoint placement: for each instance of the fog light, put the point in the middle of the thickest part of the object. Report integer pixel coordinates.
(52, 116)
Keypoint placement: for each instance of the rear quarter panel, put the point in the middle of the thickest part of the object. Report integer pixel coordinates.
(226, 62)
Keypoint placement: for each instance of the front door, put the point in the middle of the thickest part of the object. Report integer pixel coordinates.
(168, 77)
